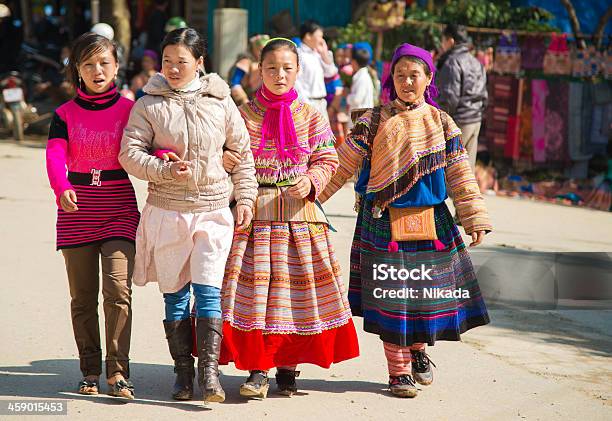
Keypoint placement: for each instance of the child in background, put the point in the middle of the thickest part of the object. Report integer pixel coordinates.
(362, 87)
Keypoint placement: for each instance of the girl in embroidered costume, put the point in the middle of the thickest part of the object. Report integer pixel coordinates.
(174, 140)
(283, 298)
(97, 215)
(406, 152)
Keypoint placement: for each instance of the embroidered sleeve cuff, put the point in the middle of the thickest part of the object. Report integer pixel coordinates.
(316, 187)
(477, 224)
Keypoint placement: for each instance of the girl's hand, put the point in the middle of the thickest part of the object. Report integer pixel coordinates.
(68, 201)
(181, 170)
(230, 160)
(170, 156)
(301, 189)
(166, 155)
(244, 216)
(477, 238)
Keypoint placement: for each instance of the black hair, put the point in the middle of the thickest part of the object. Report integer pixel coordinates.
(84, 47)
(361, 56)
(277, 44)
(308, 27)
(416, 60)
(187, 37)
(456, 32)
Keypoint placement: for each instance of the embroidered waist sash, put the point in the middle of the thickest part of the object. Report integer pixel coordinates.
(275, 204)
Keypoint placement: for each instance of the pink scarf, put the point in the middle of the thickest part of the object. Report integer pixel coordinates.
(278, 123)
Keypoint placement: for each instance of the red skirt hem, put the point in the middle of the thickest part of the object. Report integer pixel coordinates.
(252, 350)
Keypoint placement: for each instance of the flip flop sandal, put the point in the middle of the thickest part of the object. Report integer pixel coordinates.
(122, 389)
(88, 387)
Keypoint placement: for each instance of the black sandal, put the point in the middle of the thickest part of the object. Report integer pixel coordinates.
(122, 389)
(88, 387)
(285, 381)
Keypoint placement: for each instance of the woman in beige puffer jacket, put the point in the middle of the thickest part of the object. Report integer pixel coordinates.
(186, 229)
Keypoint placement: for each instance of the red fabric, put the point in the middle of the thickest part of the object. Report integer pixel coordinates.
(512, 147)
(252, 350)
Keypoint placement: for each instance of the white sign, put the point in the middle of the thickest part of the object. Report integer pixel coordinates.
(13, 95)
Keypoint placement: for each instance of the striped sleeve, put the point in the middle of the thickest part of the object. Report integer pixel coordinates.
(323, 161)
(57, 156)
(351, 154)
(466, 195)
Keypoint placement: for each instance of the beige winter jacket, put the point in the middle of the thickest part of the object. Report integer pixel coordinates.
(197, 126)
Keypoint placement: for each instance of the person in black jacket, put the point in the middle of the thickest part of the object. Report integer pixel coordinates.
(156, 26)
(462, 82)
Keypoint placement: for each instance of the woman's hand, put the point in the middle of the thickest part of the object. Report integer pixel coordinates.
(230, 160)
(477, 238)
(170, 156)
(68, 201)
(181, 170)
(244, 216)
(301, 189)
(323, 51)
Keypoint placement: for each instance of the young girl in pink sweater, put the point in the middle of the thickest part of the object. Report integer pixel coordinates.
(97, 213)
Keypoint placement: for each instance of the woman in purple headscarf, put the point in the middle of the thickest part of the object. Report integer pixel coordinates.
(149, 67)
(405, 154)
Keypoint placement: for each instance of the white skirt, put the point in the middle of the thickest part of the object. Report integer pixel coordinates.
(174, 248)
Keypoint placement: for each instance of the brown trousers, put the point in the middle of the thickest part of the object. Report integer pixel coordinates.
(83, 267)
(469, 137)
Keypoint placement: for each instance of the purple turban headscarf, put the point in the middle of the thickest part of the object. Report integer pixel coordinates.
(404, 50)
(152, 55)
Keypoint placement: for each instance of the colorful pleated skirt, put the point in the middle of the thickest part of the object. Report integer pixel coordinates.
(283, 299)
(396, 322)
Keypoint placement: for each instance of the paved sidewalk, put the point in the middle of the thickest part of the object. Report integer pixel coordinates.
(542, 365)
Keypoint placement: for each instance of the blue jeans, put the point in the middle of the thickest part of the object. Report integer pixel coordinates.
(207, 302)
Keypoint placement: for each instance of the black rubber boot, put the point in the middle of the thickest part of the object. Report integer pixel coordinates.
(180, 342)
(209, 333)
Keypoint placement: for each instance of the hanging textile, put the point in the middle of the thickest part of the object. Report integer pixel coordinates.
(512, 147)
(556, 121)
(539, 92)
(525, 130)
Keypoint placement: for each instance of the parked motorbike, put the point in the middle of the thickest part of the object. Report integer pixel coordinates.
(15, 113)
